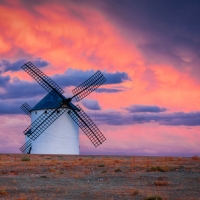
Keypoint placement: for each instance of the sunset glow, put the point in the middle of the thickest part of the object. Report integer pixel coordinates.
(150, 104)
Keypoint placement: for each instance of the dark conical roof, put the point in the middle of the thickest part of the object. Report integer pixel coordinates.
(47, 101)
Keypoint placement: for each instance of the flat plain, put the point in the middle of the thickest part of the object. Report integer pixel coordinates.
(32, 177)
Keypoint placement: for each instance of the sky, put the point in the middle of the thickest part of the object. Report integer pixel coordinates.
(148, 51)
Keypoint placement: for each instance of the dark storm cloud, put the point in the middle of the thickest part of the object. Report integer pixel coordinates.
(40, 63)
(173, 119)
(13, 106)
(4, 80)
(16, 88)
(115, 78)
(9, 108)
(91, 104)
(144, 108)
(108, 90)
(6, 65)
(74, 77)
(170, 29)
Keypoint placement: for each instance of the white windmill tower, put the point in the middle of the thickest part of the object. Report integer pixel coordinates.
(62, 137)
(56, 120)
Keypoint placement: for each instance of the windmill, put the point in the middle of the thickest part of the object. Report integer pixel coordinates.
(55, 109)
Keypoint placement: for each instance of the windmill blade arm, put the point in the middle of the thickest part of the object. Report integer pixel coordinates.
(88, 86)
(25, 149)
(47, 83)
(41, 118)
(44, 121)
(88, 126)
(72, 106)
(26, 108)
(28, 133)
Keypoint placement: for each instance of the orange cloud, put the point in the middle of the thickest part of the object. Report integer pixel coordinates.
(83, 38)
(55, 34)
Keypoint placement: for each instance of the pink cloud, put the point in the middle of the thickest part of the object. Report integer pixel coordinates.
(147, 139)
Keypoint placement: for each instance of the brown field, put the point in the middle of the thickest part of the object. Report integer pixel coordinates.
(98, 177)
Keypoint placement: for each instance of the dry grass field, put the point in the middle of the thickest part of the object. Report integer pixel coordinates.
(33, 177)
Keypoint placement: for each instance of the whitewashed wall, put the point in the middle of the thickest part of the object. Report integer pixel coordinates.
(61, 137)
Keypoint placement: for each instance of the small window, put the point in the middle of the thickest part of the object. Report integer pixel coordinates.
(58, 111)
(45, 111)
(36, 112)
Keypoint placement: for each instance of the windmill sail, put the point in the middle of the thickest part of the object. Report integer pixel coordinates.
(88, 86)
(40, 125)
(26, 108)
(88, 126)
(43, 122)
(26, 147)
(47, 83)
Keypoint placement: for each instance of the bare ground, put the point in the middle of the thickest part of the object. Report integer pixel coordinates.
(98, 177)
